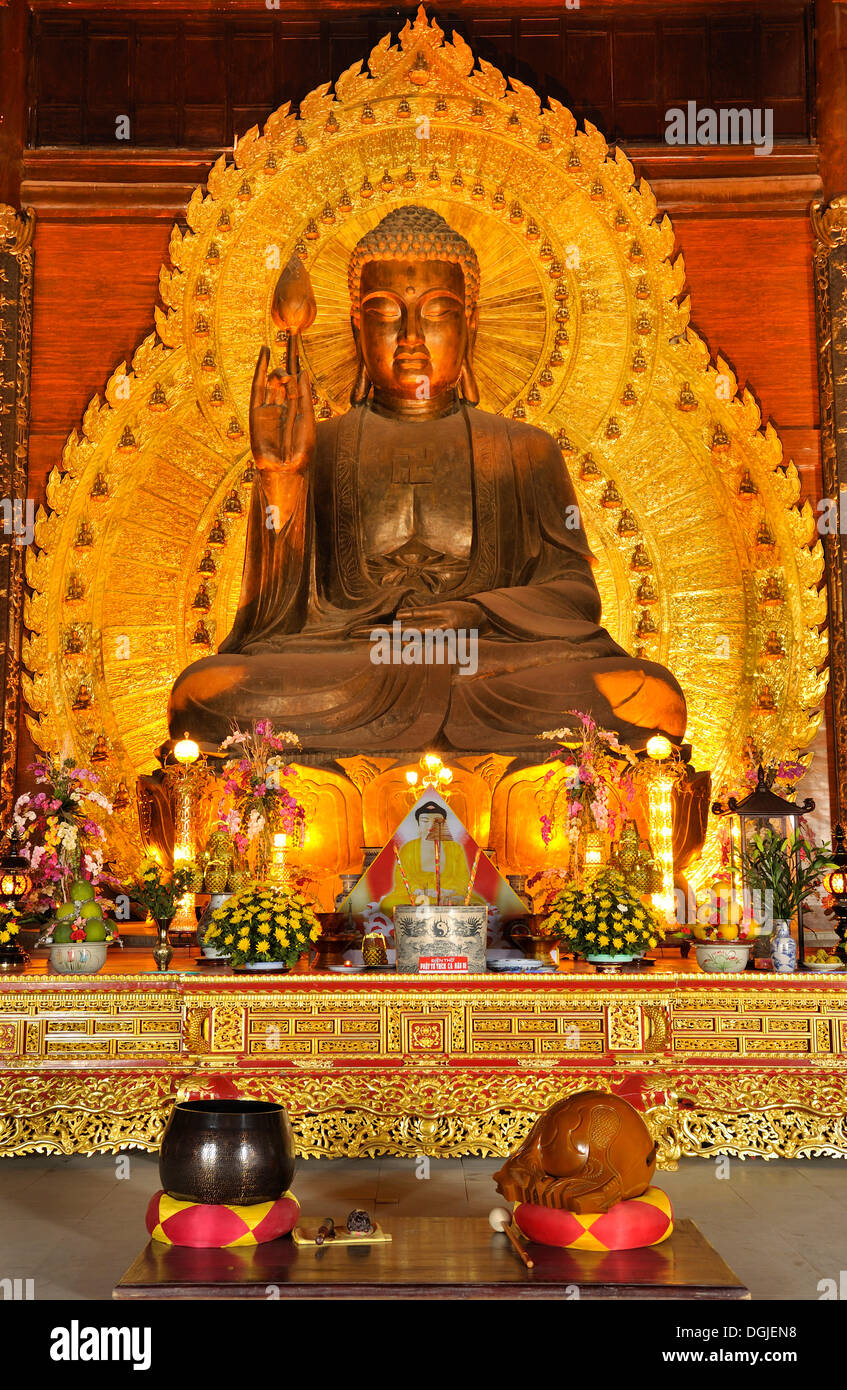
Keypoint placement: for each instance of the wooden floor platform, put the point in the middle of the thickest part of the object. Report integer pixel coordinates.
(441, 1257)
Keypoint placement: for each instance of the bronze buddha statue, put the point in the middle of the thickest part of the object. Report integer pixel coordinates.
(416, 507)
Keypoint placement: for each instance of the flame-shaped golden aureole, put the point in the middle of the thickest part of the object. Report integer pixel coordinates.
(689, 508)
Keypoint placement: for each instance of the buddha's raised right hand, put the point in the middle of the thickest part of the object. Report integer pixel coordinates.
(282, 419)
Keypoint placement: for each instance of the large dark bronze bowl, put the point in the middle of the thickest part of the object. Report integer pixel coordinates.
(230, 1152)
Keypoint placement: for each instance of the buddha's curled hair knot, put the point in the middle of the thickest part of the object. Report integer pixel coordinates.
(414, 231)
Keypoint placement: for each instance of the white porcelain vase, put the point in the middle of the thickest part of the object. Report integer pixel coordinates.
(783, 947)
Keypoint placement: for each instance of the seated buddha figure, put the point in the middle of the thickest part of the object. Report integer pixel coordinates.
(415, 873)
(414, 506)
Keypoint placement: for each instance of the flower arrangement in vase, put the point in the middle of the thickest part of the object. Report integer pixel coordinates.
(63, 839)
(590, 801)
(264, 927)
(605, 921)
(159, 891)
(259, 800)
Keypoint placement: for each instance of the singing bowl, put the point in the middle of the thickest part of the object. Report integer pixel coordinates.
(227, 1152)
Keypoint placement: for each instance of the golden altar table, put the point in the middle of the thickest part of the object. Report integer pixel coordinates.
(745, 1065)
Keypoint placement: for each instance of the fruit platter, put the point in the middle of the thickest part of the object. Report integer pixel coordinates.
(724, 933)
(824, 962)
(80, 936)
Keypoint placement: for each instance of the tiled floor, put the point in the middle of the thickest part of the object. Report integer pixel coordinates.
(74, 1224)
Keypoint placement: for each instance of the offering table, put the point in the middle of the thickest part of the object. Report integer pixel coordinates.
(379, 1063)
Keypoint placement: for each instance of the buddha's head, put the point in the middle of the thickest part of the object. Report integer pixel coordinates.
(414, 286)
(431, 819)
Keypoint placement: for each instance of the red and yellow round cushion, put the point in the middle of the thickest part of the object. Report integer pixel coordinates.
(629, 1225)
(206, 1227)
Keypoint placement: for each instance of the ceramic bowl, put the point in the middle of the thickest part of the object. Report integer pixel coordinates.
(78, 957)
(722, 957)
(613, 962)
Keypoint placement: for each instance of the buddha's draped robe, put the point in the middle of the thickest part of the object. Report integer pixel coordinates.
(300, 654)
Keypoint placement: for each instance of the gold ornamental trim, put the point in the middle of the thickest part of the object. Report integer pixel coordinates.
(829, 224)
(443, 1114)
(703, 548)
(16, 284)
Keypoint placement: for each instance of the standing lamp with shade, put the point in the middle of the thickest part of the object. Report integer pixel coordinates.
(15, 884)
(185, 778)
(660, 787)
(836, 884)
(763, 811)
(279, 866)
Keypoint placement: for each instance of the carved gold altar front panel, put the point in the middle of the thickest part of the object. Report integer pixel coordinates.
(706, 561)
(52, 1028)
(435, 1025)
(740, 1069)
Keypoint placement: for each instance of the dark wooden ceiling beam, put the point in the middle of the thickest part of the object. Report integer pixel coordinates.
(395, 16)
(78, 183)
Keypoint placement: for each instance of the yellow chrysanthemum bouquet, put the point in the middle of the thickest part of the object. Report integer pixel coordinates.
(605, 918)
(8, 923)
(263, 923)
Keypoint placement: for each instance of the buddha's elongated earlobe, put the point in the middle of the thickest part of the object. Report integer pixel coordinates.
(362, 384)
(468, 389)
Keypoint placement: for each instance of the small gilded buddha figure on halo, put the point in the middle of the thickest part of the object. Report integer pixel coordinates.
(414, 505)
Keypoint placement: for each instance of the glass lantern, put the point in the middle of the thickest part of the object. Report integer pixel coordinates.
(836, 884)
(15, 884)
(762, 810)
(15, 876)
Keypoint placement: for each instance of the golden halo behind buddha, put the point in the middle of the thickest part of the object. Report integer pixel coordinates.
(582, 332)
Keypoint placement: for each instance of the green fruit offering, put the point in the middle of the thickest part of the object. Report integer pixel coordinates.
(82, 892)
(65, 912)
(91, 910)
(61, 934)
(95, 930)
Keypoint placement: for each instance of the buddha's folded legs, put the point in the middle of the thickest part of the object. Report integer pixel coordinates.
(336, 699)
(520, 691)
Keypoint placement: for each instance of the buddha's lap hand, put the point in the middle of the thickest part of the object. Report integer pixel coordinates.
(282, 419)
(452, 615)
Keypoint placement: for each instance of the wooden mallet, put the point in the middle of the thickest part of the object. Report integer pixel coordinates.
(499, 1219)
